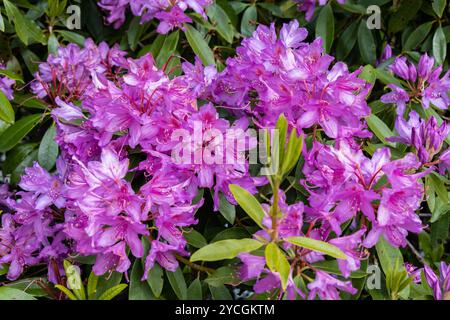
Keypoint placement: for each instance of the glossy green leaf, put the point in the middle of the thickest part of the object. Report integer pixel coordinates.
(248, 22)
(139, 290)
(195, 238)
(26, 29)
(167, 50)
(194, 291)
(347, 41)
(91, 287)
(439, 46)
(48, 149)
(388, 255)
(380, 129)
(418, 36)
(439, 7)
(155, 279)
(366, 43)
(227, 210)
(176, 280)
(277, 262)
(220, 293)
(6, 110)
(317, 245)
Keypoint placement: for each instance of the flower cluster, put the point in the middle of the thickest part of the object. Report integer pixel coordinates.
(282, 75)
(171, 14)
(309, 6)
(6, 85)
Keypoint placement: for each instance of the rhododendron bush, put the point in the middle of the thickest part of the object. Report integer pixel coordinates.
(200, 149)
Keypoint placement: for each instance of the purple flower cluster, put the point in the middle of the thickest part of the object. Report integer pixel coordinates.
(309, 6)
(273, 75)
(107, 108)
(32, 227)
(171, 14)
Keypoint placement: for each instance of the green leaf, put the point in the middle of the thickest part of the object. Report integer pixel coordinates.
(10, 74)
(221, 21)
(134, 32)
(223, 275)
(277, 262)
(52, 43)
(439, 46)
(325, 27)
(225, 249)
(2, 23)
(14, 134)
(227, 210)
(92, 286)
(400, 19)
(220, 293)
(26, 162)
(194, 292)
(248, 22)
(380, 129)
(294, 149)
(439, 188)
(155, 280)
(139, 290)
(347, 41)
(388, 256)
(369, 74)
(168, 49)
(417, 36)
(439, 212)
(74, 280)
(6, 110)
(438, 7)
(72, 37)
(31, 60)
(26, 29)
(111, 293)
(317, 245)
(106, 281)
(195, 238)
(199, 45)
(366, 44)
(176, 280)
(249, 203)
(30, 286)
(48, 149)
